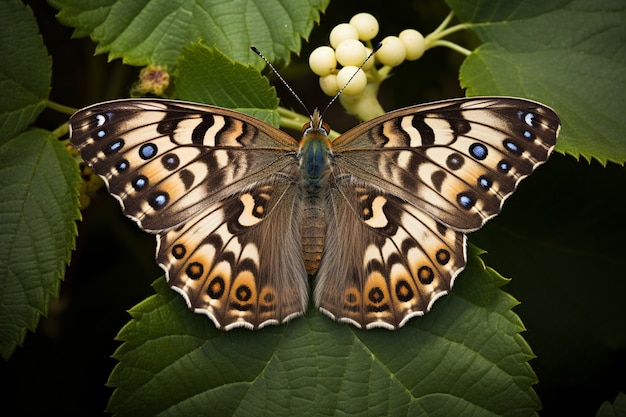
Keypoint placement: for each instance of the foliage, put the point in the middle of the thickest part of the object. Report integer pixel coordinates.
(560, 237)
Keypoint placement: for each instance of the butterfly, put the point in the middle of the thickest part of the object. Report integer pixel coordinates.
(244, 213)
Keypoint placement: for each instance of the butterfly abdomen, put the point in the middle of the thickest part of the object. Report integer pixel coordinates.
(313, 231)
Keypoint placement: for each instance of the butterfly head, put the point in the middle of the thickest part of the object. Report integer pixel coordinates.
(316, 126)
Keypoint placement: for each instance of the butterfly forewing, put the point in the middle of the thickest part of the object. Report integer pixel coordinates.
(156, 155)
(458, 159)
(241, 214)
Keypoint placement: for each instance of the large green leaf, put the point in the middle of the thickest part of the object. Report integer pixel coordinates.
(206, 75)
(38, 199)
(143, 32)
(38, 207)
(25, 70)
(466, 357)
(567, 54)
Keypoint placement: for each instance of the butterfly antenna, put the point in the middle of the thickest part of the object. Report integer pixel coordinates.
(293, 93)
(376, 48)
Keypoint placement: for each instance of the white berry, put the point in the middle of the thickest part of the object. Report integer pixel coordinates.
(392, 53)
(341, 32)
(328, 84)
(350, 52)
(413, 43)
(366, 25)
(356, 85)
(322, 60)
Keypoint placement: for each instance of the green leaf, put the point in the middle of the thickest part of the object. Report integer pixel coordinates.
(206, 75)
(617, 409)
(25, 70)
(465, 357)
(146, 32)
(540, 50)
(38, 207)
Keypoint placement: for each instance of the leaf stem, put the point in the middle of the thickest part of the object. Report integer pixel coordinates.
(452, 46)
(443, 24)
(61, 131)
(435, 38)
(451, 30)
(291, 120)
(60, 107)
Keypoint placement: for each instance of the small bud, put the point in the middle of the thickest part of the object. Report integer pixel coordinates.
(354, 86)
(328, 84)
(392, 53)
(342, 32)
(350, 52)
(413, 43)
(366, 25)
(322, 60)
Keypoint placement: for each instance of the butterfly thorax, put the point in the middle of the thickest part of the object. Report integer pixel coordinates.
(313, 154)
(314, 159)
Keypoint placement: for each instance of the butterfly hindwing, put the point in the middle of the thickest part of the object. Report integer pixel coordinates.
(240, 261)
(398, 262)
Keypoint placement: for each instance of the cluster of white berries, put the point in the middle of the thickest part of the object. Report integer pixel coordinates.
(347, 49)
